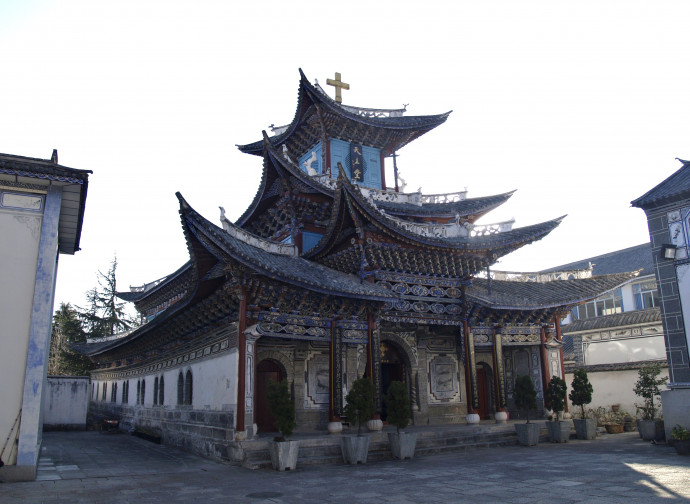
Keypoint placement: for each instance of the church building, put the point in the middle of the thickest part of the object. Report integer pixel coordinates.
(332, 274)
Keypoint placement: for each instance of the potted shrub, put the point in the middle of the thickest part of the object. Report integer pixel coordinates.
(398, 407)
(359, 408)
(526, 400)
(559, 430)
(283, 451)
(681, 439)
(647, 387)
(581, 394)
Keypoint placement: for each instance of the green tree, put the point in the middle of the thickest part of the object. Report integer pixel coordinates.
(105, 314)
(398, 405)
(282, 407)
(581, 392)
(360, 402)
(67, 329)
(647, 387)
(556, 394)
(525, 395)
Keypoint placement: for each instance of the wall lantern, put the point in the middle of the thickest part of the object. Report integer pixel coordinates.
(668, 251)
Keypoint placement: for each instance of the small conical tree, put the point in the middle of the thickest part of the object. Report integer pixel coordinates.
(647, 387)
(581, 392)
(398, 405)
(556, 394)
(525, 395)
(360, 402)
(282, 407)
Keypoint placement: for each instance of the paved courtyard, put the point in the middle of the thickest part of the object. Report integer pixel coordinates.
(88, 467)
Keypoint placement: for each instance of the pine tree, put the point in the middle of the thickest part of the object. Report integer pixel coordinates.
(105, 315)
(67, 328)
(581, 392)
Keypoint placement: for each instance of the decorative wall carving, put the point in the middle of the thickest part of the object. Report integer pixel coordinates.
(443, 378)
(317, 381)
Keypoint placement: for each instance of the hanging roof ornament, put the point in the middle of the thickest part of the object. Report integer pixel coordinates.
(338, 84)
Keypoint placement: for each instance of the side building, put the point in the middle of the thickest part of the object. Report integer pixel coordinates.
(41, 213)
(329, 276)
(614, 335)
(667, 207)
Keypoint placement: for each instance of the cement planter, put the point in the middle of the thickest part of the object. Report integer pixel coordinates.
(375, 425)
(528, 433)
(284, 454)
(682, 446)
(651, 429)
(403, 444)
(559, 431)
(355, 449)
(586, 428)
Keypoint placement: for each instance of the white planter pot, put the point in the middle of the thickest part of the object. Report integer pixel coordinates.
(403, 444)
(472, 418)
(585, 428)
(284, 454)
(355, 449)
(335, 427)
(528, 433)
(501, 417)
(375, 425)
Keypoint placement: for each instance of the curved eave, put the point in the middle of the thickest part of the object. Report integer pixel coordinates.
(258, 197)
(285, 167)
(335, 225)
(308, 94)
(135, 297)
(522, 296)
(470, 206)
(505, 241)
(287, 269)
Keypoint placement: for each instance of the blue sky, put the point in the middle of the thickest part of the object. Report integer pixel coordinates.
(581, 107)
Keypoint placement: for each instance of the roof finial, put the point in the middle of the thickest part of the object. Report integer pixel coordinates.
(338, 84)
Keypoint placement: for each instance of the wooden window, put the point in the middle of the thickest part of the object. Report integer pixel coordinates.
(180, 388)
(161, 392)
(188, 388)
(143, 391)
(138, 391)
(155, 390)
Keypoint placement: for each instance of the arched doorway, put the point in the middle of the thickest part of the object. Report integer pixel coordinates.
(267, 371)
(392, 369)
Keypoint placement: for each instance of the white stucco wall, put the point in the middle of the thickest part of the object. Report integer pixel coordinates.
(65, 401)
(20, 232)
(214, 384)
(612, 387)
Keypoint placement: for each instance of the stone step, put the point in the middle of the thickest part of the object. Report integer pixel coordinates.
(326, 449)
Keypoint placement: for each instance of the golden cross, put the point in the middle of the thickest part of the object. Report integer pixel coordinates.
(338, 84)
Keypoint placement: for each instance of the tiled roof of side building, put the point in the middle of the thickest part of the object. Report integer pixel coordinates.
(634, 258)
(635, 317)
(506, 294)
(674, 187)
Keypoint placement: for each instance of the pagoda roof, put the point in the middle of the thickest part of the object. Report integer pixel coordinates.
(515, 295)
(431, 235)
(42, 173)
(274, 260)
(136, 294)
(387, 133)
(463, 207)
(675, 187)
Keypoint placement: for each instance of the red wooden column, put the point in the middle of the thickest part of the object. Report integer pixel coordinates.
(241, 362)
(559, 338)
(544, 362)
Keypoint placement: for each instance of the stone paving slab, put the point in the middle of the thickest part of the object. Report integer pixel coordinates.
(93, 468)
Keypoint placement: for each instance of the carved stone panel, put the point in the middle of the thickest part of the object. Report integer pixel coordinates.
(317, 381)
(443, 378)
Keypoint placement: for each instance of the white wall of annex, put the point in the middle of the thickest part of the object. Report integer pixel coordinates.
(21, 233)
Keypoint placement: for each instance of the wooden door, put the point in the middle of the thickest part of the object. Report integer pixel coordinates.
(266, 372)
(483, 389)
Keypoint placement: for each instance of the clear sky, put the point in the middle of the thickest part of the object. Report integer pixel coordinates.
(580, 106)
